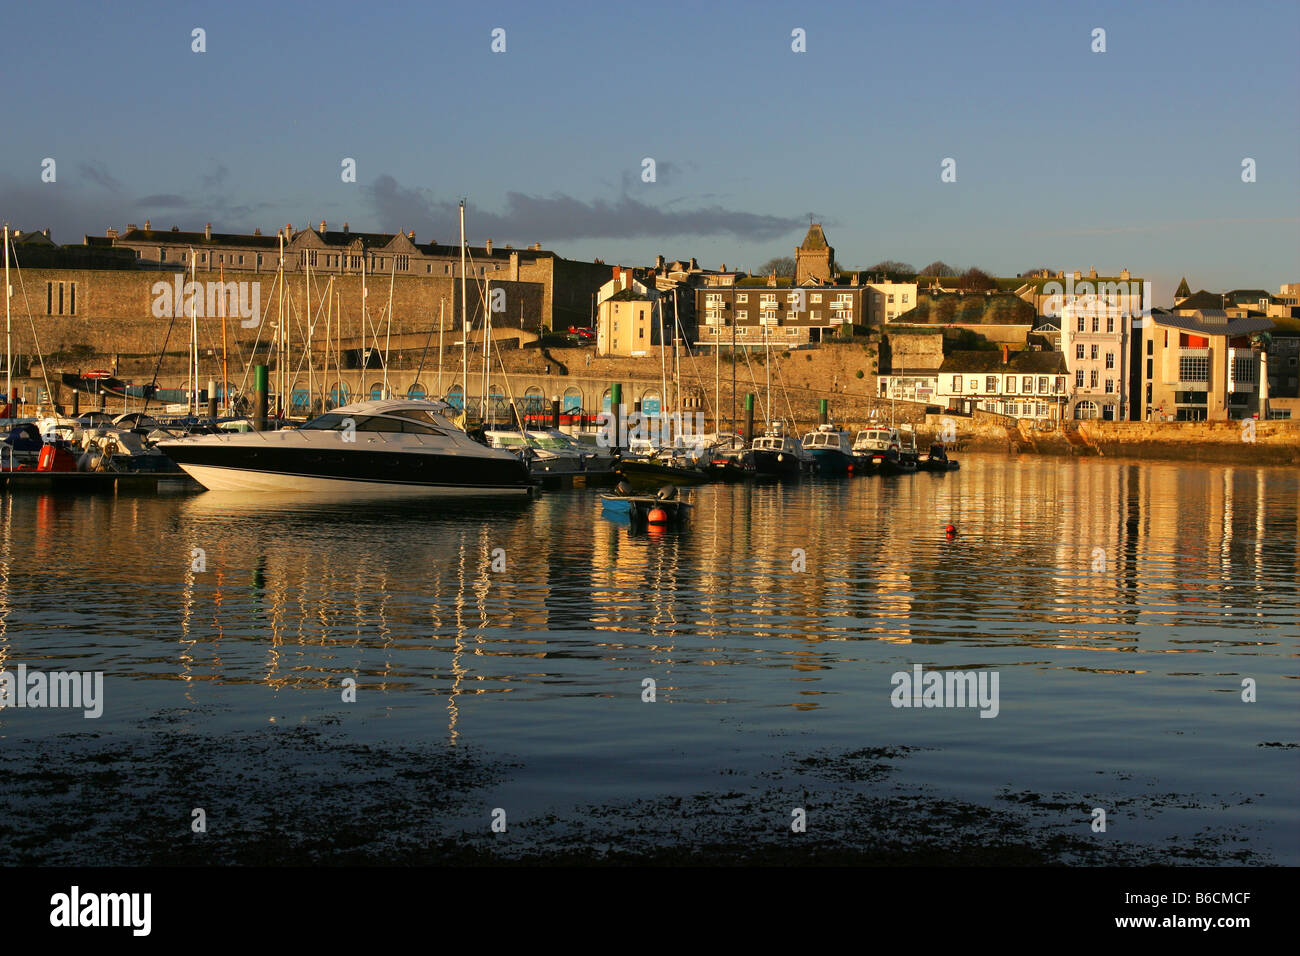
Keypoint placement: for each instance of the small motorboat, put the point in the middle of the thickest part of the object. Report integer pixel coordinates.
(937, 460)
(777, 455)
(832, 449)
(664, 507)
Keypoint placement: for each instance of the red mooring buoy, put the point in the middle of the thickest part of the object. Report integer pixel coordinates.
(950, 531)
(657, 516)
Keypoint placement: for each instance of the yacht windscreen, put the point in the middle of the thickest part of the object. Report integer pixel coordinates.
(369, 423)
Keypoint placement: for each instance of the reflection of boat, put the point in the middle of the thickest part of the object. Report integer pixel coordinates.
(663, 507)
(831, 448)
(937, 460)
(392, 447)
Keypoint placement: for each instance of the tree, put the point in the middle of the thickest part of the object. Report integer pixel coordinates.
(781, 265)
(891, 267)
(938, 268)
(976, 280)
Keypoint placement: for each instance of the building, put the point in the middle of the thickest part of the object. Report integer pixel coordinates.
(1095, 341)
(627, 322)
(1021, 384)
(1205, 365)
(888, 301)
(568, 285)
(779, 315)
(814, 259)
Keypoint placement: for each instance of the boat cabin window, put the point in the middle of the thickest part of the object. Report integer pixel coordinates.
(369, 423)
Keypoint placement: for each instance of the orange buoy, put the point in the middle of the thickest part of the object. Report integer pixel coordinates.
(657, 516)
(950, 531)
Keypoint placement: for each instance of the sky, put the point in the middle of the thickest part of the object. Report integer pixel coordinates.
(1064, 157)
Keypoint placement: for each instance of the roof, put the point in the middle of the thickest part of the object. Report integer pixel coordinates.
(1201, 300)
(197, 238)
(816, 239)
(628, 295)
(990, 360)
(1214, 322)
(1183, 290)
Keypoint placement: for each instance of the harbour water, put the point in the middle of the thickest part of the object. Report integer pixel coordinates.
(501, 656)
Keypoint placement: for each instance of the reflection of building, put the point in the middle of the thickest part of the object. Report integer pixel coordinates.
(1202, 365)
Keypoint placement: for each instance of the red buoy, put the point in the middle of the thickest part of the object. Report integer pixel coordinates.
(950, 531)
(657, 516)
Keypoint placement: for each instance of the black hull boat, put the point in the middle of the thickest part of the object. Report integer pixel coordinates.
(937, 460)
(776, 464)
(651, 474)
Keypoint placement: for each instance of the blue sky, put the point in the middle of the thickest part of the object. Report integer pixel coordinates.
(1065, 157)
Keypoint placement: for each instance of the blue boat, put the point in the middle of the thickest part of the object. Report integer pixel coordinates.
(832, 449)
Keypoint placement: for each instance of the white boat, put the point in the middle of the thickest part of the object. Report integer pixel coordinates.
(385, 448)
(546, 451)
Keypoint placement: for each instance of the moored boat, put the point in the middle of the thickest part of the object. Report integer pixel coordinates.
(832, 450)
(385, 448)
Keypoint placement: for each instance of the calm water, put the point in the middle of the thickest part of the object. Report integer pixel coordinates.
(1120, 603)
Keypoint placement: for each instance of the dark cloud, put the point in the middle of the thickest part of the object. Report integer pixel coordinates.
(527, 219)
(98, 174)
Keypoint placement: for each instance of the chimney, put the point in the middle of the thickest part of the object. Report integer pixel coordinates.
(693, 265)
(345, 227)
(207, 230)
(410, 234)
(110, 232)
(487, 247)
(1006, 354)
(618, 275)
(257, 231)
(146, 225)
(176, 228)
(322, 227)
(855, 279)
(724, 268)
(288, 231)
(659, 262)
(46, 232)
(130, 227)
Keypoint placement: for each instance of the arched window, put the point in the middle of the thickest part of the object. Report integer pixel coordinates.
(456, 397)
(534, 401)
(1085, 410)
(376, 391)
(650, 402)
(299, 399)
(572, 399)
(416, 391)
(339, 395)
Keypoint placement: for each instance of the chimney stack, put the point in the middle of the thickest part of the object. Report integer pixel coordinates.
(345, 227)
(110, 232)
(207, 230)
(487, 246)
(322, 227)
(1006, 354)
(410, 234)
(146, 225)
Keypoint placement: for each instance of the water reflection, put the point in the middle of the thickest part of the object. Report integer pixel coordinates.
(1053, 556)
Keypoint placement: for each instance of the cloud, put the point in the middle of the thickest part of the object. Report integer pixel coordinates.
(216, 178)
(529, 218)
(99, 175)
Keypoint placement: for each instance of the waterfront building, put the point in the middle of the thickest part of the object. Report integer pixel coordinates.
(777, 313)
(1095, 342)
(1203, 365)
(1026, 384)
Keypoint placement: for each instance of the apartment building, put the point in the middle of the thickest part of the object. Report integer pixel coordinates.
(1204, 365)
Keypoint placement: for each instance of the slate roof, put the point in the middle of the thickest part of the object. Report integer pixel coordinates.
(816, 239)
(1201, 300)
(990, 360)
(1215, 322)
(166, 236)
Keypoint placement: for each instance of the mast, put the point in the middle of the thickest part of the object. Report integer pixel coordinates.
(225, 368)
(311, 324)
(9, 342)
(388, 329)
(732, 424)
(365, 359)
(663, 370)
(441, 305)
(194, 336)
(487, 351)
(677, 359)
(464, 325)
(281, 352)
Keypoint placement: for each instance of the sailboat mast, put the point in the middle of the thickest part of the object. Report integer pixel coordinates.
(9, 341)
(663, 369)
(225, 368)
(464, 324)
(442, 303)
(487, 349)
(194, 336)
(280, 331)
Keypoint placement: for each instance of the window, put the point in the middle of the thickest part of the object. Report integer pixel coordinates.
(1110, 385)
(162, 255)
(769, 298)
(259, 260)
(1110, 359)
(72, 308)
(403, 262)
(815, 297)
(1096, 324)
(1150, 369)
(1150, 346)
(311, 257)
(974, 385)
(905, 298)
(1042, 385)
(1011, 384)
(744, 297)
(1110, 323)
(1081, 327)
(1093, 377)
(890, 300)
(1078, 351)
(241, 260)
(1078, 378)
(1093, 352)
(1193, 369)
(1027, 384)
(792, 331)
(990, 383)
(1244, 370)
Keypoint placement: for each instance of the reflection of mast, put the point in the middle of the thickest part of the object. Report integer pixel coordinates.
(7, 506)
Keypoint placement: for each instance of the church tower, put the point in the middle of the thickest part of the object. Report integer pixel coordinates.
(814, 259)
